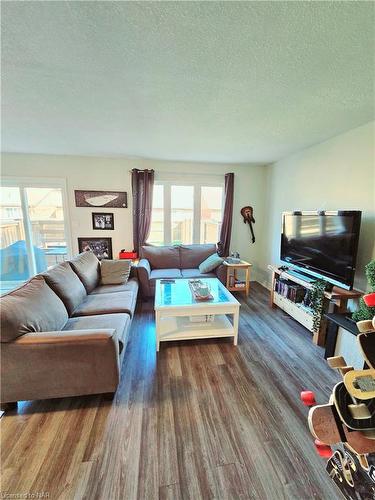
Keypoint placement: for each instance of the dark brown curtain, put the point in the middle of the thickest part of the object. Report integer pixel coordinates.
(142, 188)
(226, 227)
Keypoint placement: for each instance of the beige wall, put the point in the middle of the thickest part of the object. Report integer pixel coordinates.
(113, 174)
(336, 174)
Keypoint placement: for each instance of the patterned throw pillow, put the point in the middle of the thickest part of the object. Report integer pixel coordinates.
(115, 272)
(211, 263)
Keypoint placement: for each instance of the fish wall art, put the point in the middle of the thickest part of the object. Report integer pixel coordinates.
(110, 199)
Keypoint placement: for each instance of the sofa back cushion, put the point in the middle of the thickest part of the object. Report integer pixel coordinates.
(34, 307)
(66, 284)
(115, 272)
(87, 267)
(162, 257)
(193, 255)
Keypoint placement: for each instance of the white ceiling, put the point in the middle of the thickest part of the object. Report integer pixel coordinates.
(198, 81)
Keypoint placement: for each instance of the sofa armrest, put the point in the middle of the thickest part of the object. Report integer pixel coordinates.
(144, 266)
(133, 271)
(65, 337)
(58, 364)
(144, 273)
(221, 273)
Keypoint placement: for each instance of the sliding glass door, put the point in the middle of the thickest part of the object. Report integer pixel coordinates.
(33, 230)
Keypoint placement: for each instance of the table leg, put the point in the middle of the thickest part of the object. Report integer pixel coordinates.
(272, 304)
(157, 330)
(247, 282)
(235, 326)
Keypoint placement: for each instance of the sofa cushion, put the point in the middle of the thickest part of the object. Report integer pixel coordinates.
(192, 255)
(130, 286)
(211, 263)
(34, 307)
(115, 272)
(107, 303)
(120, 322)
(66, 284)
(195, 273)
(158, 274)
(87, 266)
(162, 257)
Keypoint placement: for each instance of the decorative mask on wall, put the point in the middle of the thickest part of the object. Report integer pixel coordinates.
(248, 218)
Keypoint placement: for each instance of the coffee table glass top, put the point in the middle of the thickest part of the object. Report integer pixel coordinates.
(179, 293)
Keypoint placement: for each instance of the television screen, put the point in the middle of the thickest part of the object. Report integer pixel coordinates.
(322, 243)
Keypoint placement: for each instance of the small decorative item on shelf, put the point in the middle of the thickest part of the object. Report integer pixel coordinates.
(234, 258)
(200, 290)
(127, 255)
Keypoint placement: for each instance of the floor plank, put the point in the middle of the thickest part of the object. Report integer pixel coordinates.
(200, 420)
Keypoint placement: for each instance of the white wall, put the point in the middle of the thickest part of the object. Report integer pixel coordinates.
(113, 174)
(336, 174)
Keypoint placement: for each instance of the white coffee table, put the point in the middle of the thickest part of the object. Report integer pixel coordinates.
(174, 304)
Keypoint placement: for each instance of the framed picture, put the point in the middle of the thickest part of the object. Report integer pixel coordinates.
(101, 220)
(110, 199)
(102, 247)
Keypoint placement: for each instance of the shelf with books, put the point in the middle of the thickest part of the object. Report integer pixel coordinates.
(292, 295)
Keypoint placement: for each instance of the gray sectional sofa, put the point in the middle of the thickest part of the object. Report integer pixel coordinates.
(178, 261)
(64, 334)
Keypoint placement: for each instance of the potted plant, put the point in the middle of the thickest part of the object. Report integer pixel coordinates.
(316, 296)
(364, 312)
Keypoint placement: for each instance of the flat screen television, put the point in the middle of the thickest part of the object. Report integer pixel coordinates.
(322, 244)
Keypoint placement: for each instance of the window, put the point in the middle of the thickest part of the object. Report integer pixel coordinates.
(186, 212)
(157, 227)
(211, 213)
(33, 230)
(182, 212)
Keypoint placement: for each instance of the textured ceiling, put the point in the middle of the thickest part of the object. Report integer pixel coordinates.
(200, 81)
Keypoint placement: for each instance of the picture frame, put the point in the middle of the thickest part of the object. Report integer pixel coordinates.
(101, 247)
(101, 199)
(103, 221)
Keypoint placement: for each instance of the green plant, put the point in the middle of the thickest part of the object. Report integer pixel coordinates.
(317, 301)
(370, 274)
(364, 312)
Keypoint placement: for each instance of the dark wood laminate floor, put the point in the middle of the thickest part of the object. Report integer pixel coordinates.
(202, 420)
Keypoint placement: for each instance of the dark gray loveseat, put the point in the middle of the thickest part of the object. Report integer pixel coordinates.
(177, 261)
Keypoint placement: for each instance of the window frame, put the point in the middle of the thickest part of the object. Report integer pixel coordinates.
(22, 183)
(197, 182)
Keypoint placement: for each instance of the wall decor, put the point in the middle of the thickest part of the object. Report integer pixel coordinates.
(102, 220)
(248, 218)
(111, 199)
(102, 247)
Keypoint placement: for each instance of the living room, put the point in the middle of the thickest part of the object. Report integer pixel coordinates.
(121, 125)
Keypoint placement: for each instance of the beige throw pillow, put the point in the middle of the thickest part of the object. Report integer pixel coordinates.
(115, 272)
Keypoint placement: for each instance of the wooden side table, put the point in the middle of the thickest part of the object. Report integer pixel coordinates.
(233, 278)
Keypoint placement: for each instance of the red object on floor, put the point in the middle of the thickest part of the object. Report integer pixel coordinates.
(323, 449)
(128, 255)
(308, 398)
(369, 299)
